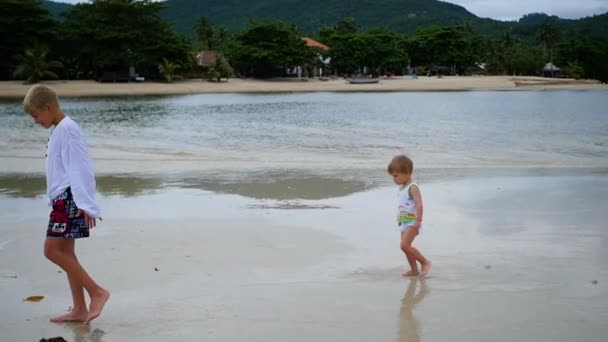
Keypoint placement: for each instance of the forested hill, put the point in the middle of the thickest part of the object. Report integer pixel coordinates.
(310, 15)
(405, 16)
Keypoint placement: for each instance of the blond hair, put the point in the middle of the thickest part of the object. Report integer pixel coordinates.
(401, 164)
(39, 96)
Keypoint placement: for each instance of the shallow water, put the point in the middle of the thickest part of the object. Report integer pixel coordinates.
(324, 131)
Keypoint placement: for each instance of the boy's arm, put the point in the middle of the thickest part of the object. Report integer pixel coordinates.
(82, 176)
(417, 196)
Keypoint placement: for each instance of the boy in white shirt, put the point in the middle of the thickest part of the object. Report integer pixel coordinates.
(70, 183)
(409, 215)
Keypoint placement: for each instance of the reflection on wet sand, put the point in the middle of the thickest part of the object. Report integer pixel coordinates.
(252, 185)
(270, 184)
(82, 332)
(22, 185)
(128, 186)
(31, 186)
(409, 326)
(308, 187)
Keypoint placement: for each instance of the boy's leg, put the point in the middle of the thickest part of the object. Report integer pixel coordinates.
(79, 310)
(410, 259)
(406, 246)
(99, 296)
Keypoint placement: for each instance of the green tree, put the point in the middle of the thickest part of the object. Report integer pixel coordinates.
(526, 60)
(448, 46)
(500, 56)
(223, 67)
(348, 53)
(376, 51)
(23, 24)
(266, 49)
(35, 67)
(221, 38)
(347, 26)
(220, 70)
(574, 70)
(390, 49)
(115, 34)
(210, 37)
(588, 53)
(548, 35)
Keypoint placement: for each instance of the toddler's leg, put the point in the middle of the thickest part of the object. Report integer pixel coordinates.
(410, 259)
(406, 245)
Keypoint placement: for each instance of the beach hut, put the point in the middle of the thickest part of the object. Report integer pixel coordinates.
(550, 70)
(206, 59)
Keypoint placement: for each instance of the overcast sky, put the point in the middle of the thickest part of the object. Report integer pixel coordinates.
(514, 9)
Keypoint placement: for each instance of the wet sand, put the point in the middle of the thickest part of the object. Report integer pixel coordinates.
(517, 256)
(17, 90)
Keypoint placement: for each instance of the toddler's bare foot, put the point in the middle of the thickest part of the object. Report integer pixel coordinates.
(426, 267)
(97, 303)
(72, 316)
(410, 273)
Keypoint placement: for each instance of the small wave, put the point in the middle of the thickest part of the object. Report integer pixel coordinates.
(4, 243)
(292, 206)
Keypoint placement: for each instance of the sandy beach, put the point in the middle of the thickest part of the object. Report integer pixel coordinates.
(270, 217)
(188, 264)
(15, 89)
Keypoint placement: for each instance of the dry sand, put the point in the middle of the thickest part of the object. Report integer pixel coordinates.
(14, 89)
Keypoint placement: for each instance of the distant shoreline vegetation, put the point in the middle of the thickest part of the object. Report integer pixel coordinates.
(123, 40)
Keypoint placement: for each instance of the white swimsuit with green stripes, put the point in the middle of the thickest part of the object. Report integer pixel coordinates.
(406, 215)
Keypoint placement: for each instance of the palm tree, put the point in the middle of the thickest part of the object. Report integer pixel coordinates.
(34, 66)
(167, 69)
(548, 34)
(221, 69)
(505, 51)
(204, 34)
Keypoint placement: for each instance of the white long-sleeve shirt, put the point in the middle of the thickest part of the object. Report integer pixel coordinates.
(69, 164)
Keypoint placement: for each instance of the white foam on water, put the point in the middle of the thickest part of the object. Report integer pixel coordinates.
(4, 243)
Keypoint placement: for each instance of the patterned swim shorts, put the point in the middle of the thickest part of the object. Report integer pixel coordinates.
(63, 222)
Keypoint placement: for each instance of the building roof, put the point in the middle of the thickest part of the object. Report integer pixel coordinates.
(550, 67)
(313, 43)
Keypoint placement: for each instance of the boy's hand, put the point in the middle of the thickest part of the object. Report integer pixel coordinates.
(416, 225)
(88, 220)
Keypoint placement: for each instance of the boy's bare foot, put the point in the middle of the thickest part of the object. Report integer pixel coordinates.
(72, 316)
(426, 267)
(97, 303)
(410, 273)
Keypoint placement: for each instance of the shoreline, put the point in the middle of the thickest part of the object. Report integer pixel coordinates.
(11, 90)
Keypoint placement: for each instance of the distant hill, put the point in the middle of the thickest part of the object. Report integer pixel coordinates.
(56, 8)
(310, 15)
(596, 27)
(404, 16)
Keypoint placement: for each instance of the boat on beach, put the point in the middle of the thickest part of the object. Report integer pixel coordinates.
(362, 80)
